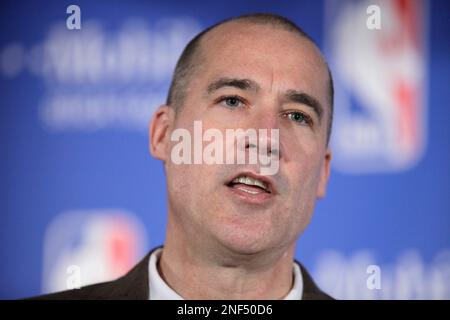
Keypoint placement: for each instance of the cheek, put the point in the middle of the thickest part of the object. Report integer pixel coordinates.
(302, 155)
(178, 180)
(192, 186)
(304, 176)
(298, 209)
(306, 180)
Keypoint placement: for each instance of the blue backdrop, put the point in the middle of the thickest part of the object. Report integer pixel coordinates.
(79, 189)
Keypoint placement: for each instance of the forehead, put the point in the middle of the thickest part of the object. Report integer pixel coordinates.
(276, 58)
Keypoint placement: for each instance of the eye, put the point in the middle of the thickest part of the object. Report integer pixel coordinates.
(231, 101)
(299, 117)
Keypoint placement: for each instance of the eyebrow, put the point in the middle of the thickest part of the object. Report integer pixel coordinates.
(243, 84)
(305, 99)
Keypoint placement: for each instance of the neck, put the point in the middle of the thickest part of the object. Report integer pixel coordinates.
(196, 271)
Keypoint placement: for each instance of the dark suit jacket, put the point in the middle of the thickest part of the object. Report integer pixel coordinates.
(135, 286)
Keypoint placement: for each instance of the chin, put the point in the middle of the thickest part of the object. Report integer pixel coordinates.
(243, 234)
(245, 242)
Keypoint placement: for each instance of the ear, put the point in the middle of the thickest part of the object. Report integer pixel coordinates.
(324, 174)
(159, 131)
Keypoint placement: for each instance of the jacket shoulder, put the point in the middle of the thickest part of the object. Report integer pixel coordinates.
(310, 290)
(132, 286)
(91, 292)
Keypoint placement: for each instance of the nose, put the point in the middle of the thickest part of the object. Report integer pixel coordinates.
(266, 124)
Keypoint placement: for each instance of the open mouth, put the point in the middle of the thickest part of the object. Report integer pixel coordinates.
(250, 184)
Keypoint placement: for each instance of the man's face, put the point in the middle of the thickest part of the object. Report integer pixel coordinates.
(281, 66)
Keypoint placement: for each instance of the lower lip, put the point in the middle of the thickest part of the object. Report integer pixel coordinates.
(257, 198)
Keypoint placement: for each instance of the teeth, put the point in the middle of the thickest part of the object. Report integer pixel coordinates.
(251, 182)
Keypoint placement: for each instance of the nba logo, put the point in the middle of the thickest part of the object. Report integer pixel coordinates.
(83, 247)
(380, 84)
